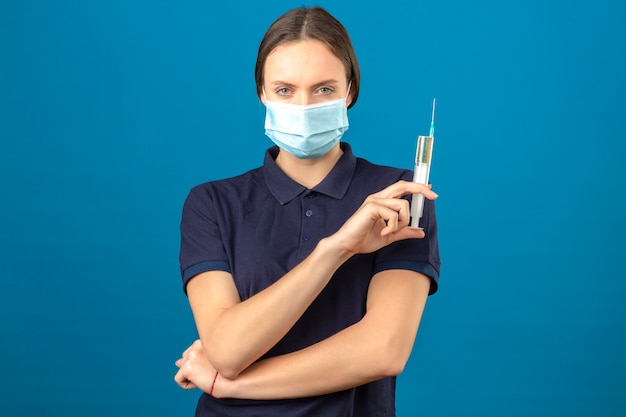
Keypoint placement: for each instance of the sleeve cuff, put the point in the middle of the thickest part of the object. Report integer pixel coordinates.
(421, 267)
(198, 268)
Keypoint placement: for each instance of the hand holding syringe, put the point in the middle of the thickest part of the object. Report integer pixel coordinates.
(421, 171)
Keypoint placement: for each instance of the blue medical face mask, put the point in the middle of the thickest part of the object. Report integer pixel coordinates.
(306, 131)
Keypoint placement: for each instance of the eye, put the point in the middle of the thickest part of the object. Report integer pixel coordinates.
(283, 91)
(325, 91)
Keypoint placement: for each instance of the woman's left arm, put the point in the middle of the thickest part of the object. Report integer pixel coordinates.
(377, 346)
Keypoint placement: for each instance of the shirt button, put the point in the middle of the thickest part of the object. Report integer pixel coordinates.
(309, 213)
(306, 237)
(312, 195)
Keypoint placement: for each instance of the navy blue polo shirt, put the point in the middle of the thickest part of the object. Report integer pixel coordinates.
(260, 225)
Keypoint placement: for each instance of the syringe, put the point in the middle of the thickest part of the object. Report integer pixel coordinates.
(421, 171)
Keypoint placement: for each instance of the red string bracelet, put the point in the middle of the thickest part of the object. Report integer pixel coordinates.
(213, 385)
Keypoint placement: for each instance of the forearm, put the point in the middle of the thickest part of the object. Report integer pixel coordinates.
(262, 320)
(377, 346)
(346, 360)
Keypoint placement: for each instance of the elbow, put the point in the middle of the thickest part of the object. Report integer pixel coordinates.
(227, 369)
(397, 368)
(224, 364)
(228, 373)
(395, 354)
(394, 367)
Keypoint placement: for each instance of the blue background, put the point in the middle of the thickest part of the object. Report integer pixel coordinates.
(111, 110)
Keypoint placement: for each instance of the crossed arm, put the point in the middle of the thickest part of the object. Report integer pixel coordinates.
(377, 346)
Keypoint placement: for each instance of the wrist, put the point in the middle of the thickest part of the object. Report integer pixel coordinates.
(224, 387)
(213, 384)
(331, 247)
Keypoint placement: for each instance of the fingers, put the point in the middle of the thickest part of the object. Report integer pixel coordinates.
(390, 198)
(402, 188)
(187, 356)
(407, 233)
(182, 381)
(181, 378)
(397, 222)
(393, 212)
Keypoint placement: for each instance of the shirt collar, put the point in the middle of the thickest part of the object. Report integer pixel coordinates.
(335, 185)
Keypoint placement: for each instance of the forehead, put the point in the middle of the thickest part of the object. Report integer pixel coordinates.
(303, 61)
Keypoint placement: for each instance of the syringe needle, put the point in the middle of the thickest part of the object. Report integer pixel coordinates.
(432, 120)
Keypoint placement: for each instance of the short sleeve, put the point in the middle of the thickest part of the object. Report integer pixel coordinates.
(201, 247)
(419, 255)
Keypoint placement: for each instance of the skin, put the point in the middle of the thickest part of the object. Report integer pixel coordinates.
(379, 345)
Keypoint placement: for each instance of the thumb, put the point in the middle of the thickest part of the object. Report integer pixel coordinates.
(407, 233)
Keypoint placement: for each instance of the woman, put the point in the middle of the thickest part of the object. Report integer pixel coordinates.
(306, 283)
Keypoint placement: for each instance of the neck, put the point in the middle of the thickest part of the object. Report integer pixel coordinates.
(308, 172)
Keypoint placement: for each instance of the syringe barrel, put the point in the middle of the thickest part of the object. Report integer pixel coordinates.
(421, 171)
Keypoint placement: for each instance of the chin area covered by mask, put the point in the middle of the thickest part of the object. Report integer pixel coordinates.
(306, 131)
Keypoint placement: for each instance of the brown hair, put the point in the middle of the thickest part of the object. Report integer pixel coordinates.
(310, 23)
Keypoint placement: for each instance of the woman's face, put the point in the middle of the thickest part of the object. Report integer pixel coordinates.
(304, 72)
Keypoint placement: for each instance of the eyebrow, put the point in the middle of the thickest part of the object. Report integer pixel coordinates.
(331, 81)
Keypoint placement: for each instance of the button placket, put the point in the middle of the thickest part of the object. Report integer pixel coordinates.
(308, 213)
